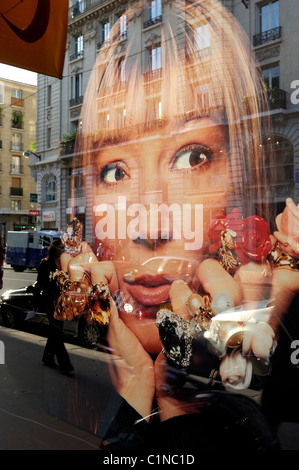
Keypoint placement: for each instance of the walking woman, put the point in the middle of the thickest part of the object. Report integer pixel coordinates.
(46, 294)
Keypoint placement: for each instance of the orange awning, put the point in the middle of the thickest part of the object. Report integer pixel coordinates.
(33, 34)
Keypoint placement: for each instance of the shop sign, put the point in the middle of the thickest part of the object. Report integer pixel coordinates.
(49, 216)
(34, 212)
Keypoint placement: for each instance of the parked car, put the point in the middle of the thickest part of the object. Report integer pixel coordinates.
(16, 309)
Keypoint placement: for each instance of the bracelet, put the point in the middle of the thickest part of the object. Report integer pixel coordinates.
(226, 257)
(279, 258)
(72, 237)
(78, 297)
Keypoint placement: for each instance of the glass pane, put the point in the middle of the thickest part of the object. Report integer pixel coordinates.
(275, 15)
(156, 58)
(155, 9)
(264, 18)
(275, 77)
(202, 37)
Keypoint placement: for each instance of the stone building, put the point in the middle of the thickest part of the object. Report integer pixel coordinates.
(17, 134)
(272, 27)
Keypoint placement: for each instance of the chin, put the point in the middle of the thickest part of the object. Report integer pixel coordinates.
(145, 331)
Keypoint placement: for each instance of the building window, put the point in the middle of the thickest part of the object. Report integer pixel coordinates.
(76, 90)
(203, 97)
(74, 126)
(104, 31)
(202, 40)
(16, 164)
(121, 72)
(15, 205)
(154, 14)
(50, 189)
(49, 137)
(155, 9)
(17, 119)
(268, 16)
(271, 77)
(16, 187)
(77, 175)
(79, 44)
(78, 7)
(154, 106)
(120, 117)
(268, 28)
(123, 27)
(17, 94)
(156, 59)
(77, 85)
(49, 95)
(276, 96)
(78, 47)
(16, 143)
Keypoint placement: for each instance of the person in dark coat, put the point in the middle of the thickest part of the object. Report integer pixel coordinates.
(46, 294)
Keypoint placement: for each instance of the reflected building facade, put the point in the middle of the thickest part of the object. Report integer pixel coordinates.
(272, 27)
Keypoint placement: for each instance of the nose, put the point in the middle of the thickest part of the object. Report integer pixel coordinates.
(156, 220)
(156, 223)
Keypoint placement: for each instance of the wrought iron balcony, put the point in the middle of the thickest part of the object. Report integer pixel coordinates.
(16, 191)
(121, 36)
(152, 21)
(76, 101)
(267, 36)
(204, 53)
(277, 98)
(77, 55)
(82, 6)
(155, 74)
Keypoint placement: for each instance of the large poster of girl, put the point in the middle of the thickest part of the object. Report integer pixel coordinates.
(192, 270)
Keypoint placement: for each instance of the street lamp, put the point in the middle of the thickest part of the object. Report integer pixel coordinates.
(27, 154)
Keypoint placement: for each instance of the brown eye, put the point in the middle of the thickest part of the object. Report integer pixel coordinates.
(113, 173)
(191, 156)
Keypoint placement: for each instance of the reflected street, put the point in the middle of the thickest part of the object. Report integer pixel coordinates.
(41, 408)
(17, 280)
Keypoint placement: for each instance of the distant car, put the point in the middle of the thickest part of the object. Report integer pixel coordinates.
(16, 309)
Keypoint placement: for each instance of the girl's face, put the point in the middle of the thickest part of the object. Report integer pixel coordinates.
(162, 191)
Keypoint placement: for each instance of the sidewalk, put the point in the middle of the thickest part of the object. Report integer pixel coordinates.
(42, 409)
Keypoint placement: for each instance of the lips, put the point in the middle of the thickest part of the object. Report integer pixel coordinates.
(148, 290)
(149, 296)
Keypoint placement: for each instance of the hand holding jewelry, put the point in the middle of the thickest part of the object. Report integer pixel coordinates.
(78, 294)
(233, 335)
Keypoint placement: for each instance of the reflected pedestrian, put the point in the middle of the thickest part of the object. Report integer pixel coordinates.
(46, 295)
